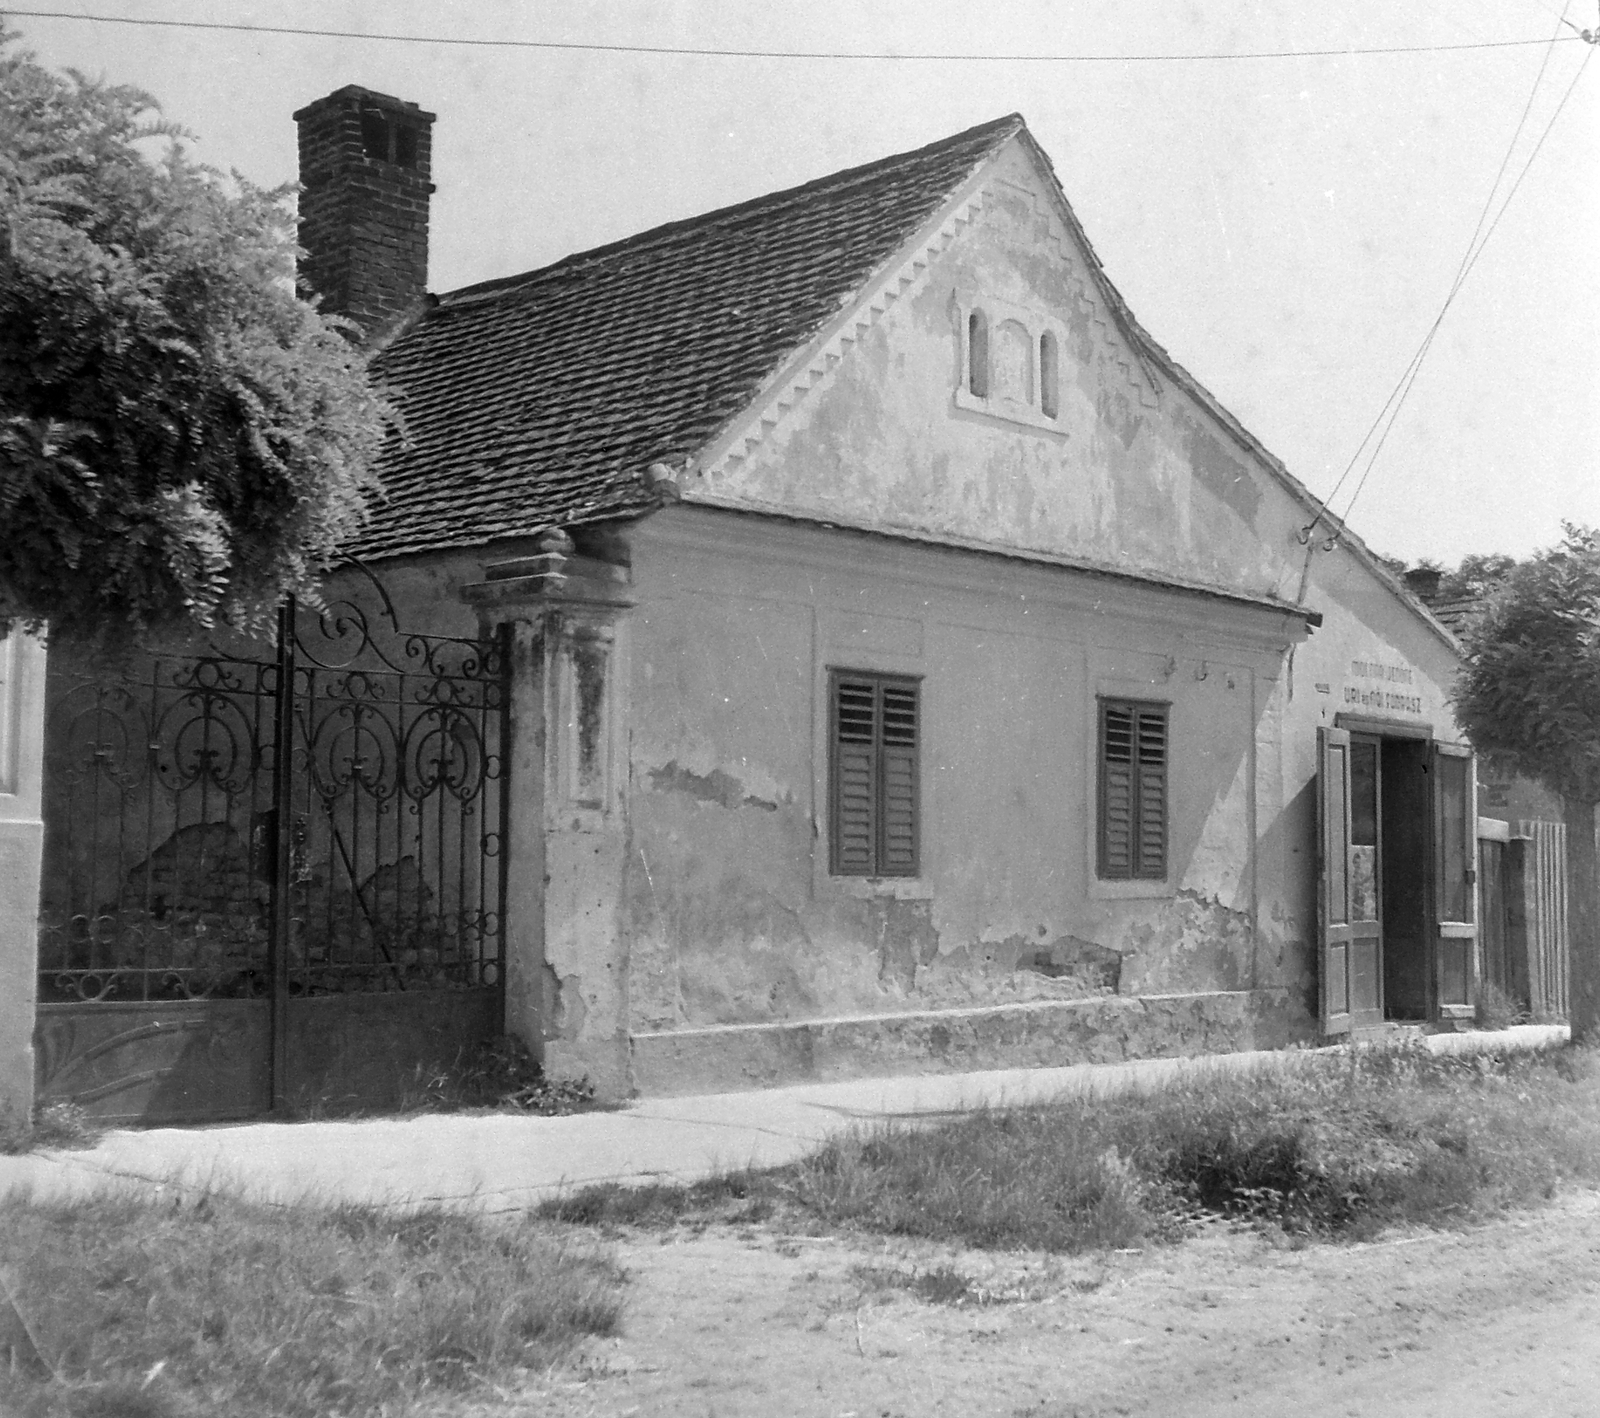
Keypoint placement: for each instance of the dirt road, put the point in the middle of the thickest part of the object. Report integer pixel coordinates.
(1501, 1320)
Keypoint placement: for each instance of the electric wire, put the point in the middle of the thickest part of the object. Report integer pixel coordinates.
(1397, 395)
(695, 51)
(1466, 269)
(1401, 383)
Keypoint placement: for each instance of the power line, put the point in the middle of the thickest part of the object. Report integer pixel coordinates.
(1468, 263)
(1398, 394)
(710, 53)
(1466, 257)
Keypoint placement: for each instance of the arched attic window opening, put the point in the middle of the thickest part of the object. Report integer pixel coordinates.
(978, 355)
(1049, 401)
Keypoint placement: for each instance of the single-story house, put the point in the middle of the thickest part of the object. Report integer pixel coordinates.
(906, 666)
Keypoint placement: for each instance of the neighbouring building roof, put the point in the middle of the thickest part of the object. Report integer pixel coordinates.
(540, 400)
(1456, 612)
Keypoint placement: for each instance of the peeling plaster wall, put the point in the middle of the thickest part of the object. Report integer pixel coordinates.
(727, 915)
(566, 955)
(731, 914)
(876, 430)
(1373, 659)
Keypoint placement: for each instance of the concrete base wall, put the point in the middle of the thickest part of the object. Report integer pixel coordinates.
(20, 844)
(1039, 1034)
(22, 666)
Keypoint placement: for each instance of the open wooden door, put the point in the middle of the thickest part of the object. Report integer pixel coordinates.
(1455, 879)
(1333, 880)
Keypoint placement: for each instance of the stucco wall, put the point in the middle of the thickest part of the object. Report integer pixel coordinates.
(716, 847)
(1373, 659)
(731, 912)
(22, 667)
(874, 427)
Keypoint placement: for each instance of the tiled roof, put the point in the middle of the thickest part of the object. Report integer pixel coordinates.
(539, 400)
(1457, 611)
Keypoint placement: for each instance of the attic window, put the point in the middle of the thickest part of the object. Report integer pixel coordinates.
(1009, 364)
(978, 355)
(1049, 399)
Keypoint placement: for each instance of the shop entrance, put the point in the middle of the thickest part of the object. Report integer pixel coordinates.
(1396, 889)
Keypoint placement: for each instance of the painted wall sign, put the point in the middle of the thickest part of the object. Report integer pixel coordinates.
(1373, 669)
(1386, 687)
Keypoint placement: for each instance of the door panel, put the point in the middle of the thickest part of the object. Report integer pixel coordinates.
(1455, 819)
(1333, 880)
(1365, 876)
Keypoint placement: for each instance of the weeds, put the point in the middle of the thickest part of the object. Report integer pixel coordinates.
(497, 1076)
(1343, 1145)
(224, 1307)
(657, 1204)
(54, 1125)
(1496, 1009)
(501, 1075)
(937, 1285)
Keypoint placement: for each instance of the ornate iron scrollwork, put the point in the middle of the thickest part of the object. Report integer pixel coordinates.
(165, 814)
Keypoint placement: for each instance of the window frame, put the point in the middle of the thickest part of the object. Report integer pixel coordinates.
(878, 868)
(980, 313)
(1137, 871)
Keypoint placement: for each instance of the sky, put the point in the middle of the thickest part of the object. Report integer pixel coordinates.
(1288, 228)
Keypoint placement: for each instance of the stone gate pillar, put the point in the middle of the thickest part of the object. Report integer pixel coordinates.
(22, 665)
(566, 953)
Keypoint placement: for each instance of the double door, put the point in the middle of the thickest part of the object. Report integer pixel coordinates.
(1397, 920)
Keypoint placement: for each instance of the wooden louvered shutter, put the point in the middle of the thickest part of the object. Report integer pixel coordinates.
(855, 776)
(1152, 750)
(897, 757)
(1133, 790)
(1116, 791)
(874, 784)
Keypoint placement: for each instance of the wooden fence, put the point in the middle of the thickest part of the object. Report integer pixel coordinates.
(1523, 913)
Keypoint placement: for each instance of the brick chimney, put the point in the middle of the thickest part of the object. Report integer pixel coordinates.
(1423, 583)
(364, 164)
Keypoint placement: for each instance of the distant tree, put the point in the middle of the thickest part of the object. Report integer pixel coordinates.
(1529, 693)
(182, 439)
(1479, 575)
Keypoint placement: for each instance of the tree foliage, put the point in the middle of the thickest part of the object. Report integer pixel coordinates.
(1480, 574)
(1529, 692)
(182, 439)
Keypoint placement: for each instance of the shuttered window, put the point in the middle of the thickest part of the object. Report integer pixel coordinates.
(1133, 790)
(874, 811)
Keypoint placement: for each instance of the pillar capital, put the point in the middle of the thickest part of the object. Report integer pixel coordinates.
(528, 588)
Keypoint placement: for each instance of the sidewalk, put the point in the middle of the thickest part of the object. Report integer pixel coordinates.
(502, 1162)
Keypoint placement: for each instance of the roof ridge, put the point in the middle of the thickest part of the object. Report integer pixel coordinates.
(1002, 130)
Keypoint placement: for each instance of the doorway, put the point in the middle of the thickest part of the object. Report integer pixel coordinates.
(1402, 768)
(1396, 918)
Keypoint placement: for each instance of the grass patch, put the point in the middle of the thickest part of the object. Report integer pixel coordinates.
(936, 1285)
(1496, 1009)
(1342, 1145)
(499, 1076)
(216, 1306)
(53, 1125)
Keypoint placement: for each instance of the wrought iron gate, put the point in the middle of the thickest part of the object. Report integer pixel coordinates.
(272, 879)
